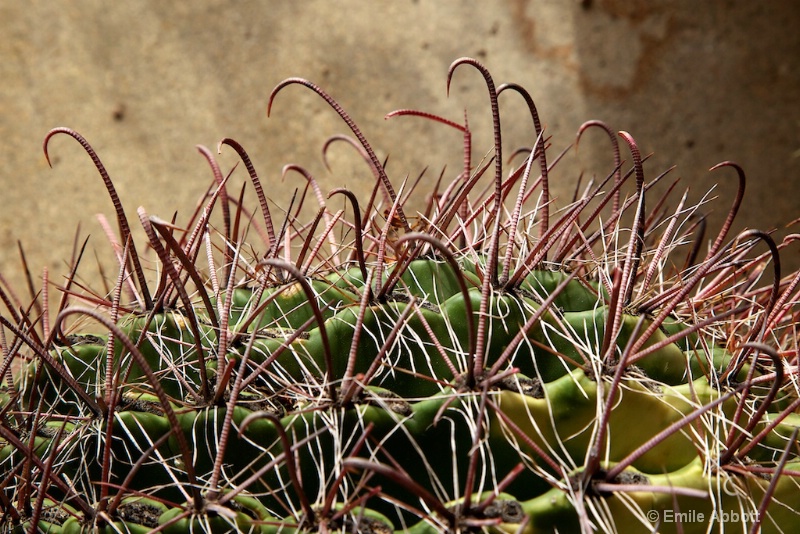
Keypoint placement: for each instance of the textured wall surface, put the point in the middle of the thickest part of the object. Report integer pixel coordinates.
(695, 82)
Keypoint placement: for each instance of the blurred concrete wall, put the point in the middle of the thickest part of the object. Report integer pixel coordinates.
(695, 82)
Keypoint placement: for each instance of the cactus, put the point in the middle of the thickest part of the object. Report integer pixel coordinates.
(498, 365)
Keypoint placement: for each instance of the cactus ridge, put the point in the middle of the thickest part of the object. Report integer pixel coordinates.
(501, 362)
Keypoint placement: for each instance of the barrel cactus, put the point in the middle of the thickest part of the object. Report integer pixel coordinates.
(495, 363)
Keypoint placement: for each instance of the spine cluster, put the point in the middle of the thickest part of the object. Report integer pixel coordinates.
(503, 364)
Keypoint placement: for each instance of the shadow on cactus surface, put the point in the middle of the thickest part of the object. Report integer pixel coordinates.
(503, 364)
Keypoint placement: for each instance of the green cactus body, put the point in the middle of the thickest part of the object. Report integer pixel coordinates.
(553, 512)
(490, 369)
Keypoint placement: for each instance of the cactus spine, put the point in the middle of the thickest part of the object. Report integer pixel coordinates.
(500, 366)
